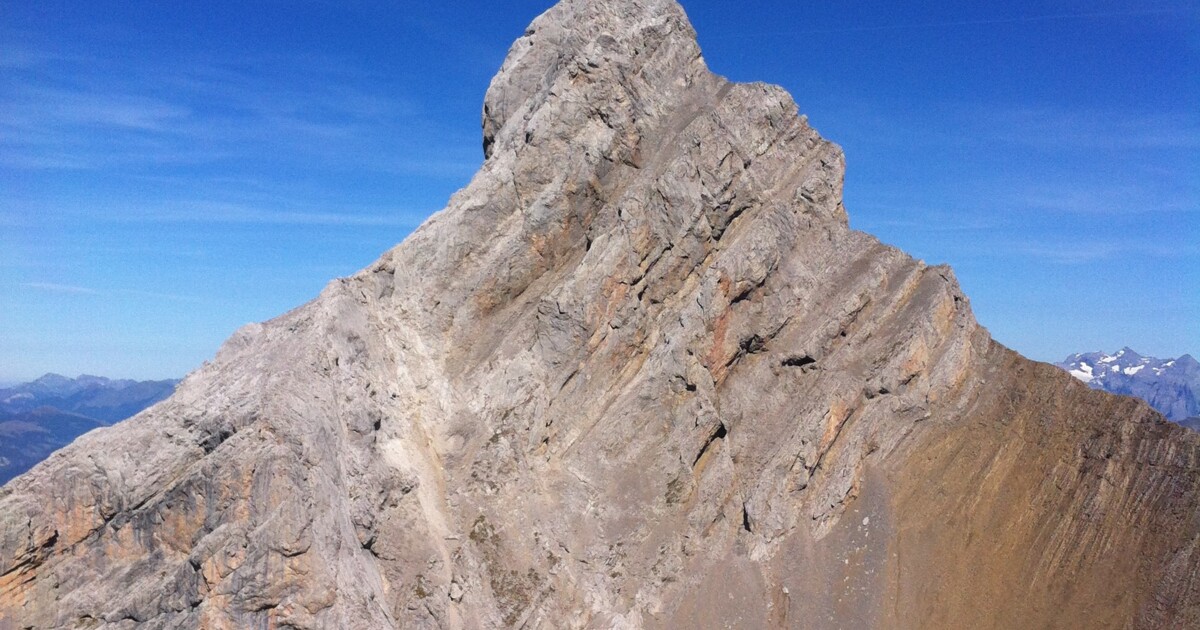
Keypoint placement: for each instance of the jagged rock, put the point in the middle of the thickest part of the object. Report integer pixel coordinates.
(639, 373)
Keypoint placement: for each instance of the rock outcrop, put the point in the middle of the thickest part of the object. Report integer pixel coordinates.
(638, 374)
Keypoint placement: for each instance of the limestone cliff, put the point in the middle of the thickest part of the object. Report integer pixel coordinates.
(638, 374)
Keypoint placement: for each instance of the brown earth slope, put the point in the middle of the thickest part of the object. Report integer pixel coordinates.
(639, 373)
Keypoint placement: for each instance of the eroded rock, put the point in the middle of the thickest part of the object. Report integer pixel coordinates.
(639, 373)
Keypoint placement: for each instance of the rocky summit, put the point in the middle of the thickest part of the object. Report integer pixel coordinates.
(638, 374)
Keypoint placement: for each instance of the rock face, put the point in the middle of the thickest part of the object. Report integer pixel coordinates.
(638, 374)
(1172, 386)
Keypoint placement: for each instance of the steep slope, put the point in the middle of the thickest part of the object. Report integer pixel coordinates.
(639, 373)
(1172, 386)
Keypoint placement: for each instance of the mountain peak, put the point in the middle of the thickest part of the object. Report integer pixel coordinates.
(639, 372)
(636, 47)
(1171, 386)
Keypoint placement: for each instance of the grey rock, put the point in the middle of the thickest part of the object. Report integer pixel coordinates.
(638, 374)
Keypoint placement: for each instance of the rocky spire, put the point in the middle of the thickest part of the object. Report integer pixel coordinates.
(638, 373)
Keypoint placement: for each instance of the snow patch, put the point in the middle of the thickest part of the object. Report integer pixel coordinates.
(1086, 377)
(1130, 371)
(1108, 359)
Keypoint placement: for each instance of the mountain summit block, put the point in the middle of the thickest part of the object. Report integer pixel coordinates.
(638, 374)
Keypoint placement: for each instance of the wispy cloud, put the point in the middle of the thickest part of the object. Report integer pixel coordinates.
(169, 297)
(1088, 252)
(31, 108)
(1059, 129)
(925, 219)
(303, 111)
(68, 289)
(239, 214)
(994, 21)
(1085, 198)
(60, 288)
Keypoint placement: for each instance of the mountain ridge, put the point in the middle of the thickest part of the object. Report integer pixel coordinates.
(44, 415)
(1172, 386)
(638, 373)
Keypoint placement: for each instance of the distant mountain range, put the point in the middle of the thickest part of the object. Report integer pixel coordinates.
(1172, 386)
(42, 416)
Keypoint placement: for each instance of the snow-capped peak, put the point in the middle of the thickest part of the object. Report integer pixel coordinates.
(1172, 386)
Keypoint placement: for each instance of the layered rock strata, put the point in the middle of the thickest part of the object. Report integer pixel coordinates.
(638, 374)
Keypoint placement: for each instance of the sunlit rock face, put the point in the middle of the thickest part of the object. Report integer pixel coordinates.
(638, 374)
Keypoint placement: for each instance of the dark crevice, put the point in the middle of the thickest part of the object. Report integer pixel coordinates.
(34, 559)
(733, 217)
(722, 227)
(799, 361)
(369, 546)
(871, 393)
(654, 263)
(744, 295)
(755, 344)
(216, 438)
(718, 434)
(687, 385)
(752, 345)
(570, 377)
(746, 519)
(749, 291)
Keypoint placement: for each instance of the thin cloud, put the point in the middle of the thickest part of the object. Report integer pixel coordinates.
(876, 216)
(69, 289)
(1025, 19)
(1093, 130)
(1094, 252)
(235, 214)
(1086, 198)
(30, 107)
(305, 111)
(60, 288)
(170, 297)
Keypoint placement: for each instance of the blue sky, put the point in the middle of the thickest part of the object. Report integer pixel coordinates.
(171, 171)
